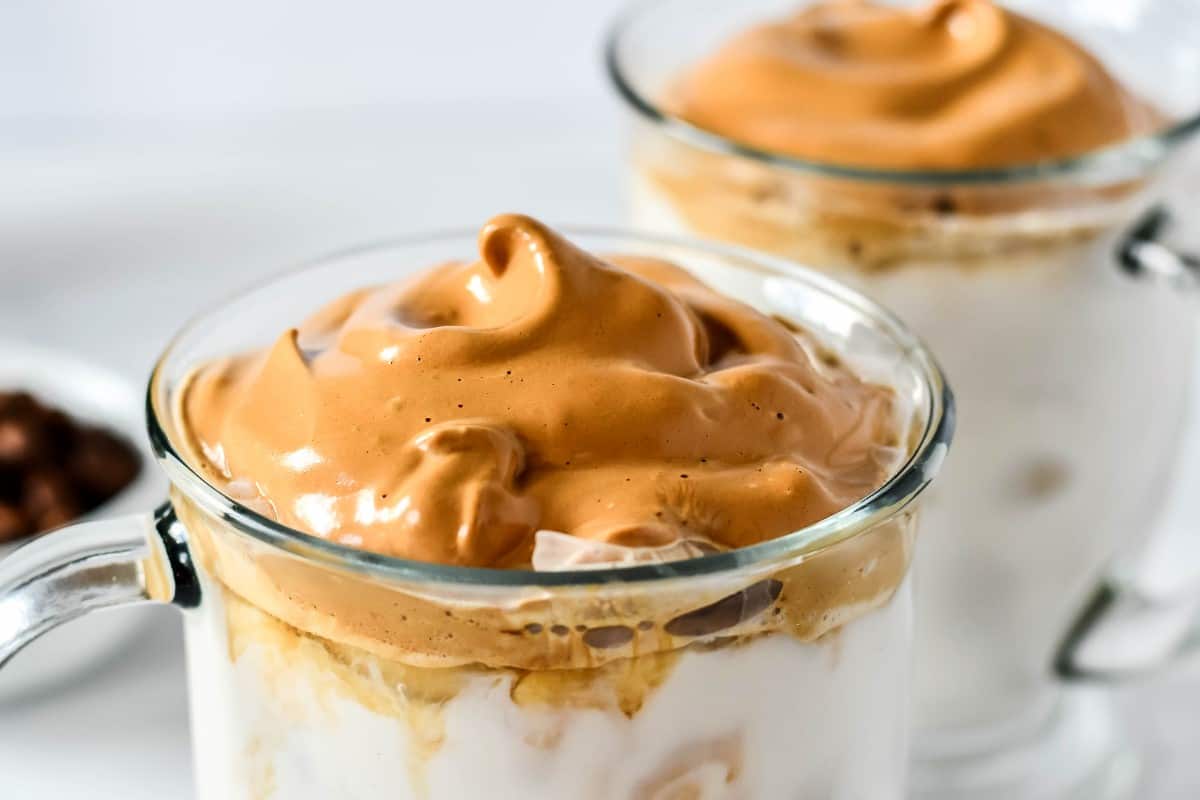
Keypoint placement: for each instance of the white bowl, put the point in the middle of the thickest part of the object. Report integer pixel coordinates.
(98, 396)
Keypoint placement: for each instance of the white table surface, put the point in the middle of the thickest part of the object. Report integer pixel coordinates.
(110, 238)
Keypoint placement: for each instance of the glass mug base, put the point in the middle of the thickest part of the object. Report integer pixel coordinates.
(1078, 750)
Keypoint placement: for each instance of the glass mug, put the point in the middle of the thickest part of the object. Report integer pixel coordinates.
(780, 670)
(1073, 375)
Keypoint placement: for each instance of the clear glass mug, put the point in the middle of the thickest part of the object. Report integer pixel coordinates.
(1072, 375)
(318, 671)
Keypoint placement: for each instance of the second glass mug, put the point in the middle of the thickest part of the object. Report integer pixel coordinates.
(320, 671)
(1072, 376)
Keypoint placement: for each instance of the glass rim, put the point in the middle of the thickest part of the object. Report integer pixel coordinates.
(1143, 151)
(904, 484)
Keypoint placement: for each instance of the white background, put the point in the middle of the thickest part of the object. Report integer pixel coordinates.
(155, 156)
(197, 61)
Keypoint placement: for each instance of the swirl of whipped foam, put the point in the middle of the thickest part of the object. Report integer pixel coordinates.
(452, 416)
(956, 84)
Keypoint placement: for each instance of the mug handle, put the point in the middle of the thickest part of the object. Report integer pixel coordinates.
(1126, 632)
(1143, 253)
(90, 566)
(1130, 628)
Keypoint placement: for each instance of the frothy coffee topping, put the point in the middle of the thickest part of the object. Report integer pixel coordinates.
(955, 84)
(495, 412)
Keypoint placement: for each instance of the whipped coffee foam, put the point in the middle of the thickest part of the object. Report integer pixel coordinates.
(482, 408)
(544, 408)
(950, 84)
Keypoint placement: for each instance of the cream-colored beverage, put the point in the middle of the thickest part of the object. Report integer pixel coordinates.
(541, 408)
(897, 148)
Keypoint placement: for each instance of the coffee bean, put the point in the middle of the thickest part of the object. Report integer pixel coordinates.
(13, 523)
(56, 517)
(16, 404)
(102, 464)
(18, 441)
(46, 490)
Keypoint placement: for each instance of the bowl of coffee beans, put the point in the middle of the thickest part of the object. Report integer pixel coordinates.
(72, 446)
(55, 468)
